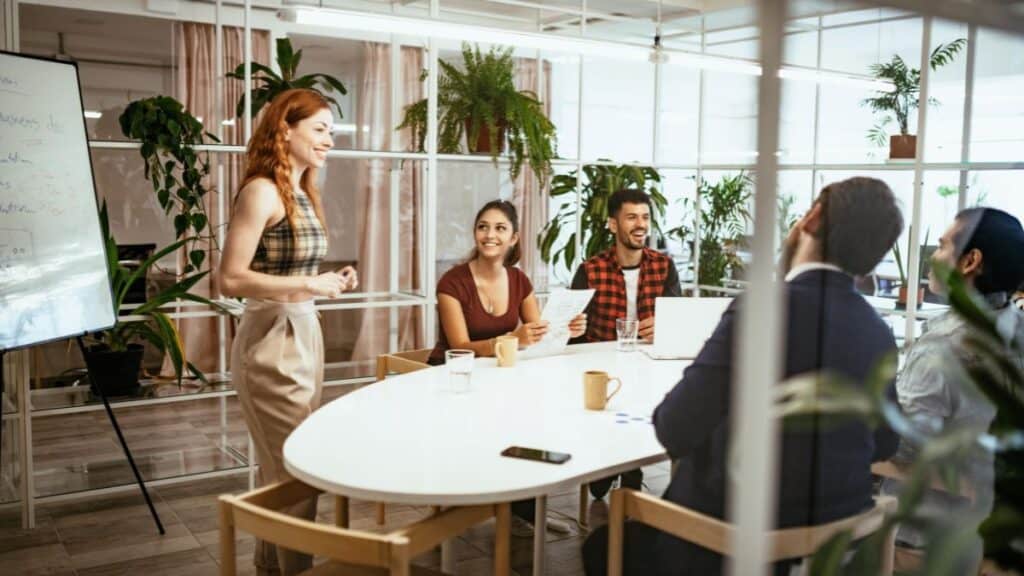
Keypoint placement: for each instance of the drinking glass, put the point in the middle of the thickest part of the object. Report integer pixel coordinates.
(626, 330)
(460, 369)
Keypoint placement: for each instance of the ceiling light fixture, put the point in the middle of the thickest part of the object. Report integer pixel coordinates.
(401, 25)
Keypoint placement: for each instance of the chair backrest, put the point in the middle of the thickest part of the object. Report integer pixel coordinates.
(402, 362)
(256, 513)
(717, 535)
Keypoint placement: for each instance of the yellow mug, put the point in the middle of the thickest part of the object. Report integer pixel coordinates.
(595, 389)
(505, 349)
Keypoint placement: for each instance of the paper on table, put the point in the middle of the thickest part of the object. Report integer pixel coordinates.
(562, 306)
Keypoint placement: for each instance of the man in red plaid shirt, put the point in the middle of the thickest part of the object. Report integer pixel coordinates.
(626, 280)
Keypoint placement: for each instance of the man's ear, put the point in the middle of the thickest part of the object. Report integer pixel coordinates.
(613, 225)
(811, 223)
(970, 264)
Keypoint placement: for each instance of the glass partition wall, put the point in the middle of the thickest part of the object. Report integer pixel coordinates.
(403, 215)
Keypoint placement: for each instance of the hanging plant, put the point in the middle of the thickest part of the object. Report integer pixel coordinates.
(169, 135)
(479, 101)
(268, 84)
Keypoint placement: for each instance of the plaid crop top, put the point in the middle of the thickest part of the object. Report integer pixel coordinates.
(282, 253)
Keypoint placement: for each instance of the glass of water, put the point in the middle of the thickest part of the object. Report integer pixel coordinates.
(460, 369)
(626, 330)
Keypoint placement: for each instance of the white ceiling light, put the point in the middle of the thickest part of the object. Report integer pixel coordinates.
(92, 114)
(454, 31)
(389, 24)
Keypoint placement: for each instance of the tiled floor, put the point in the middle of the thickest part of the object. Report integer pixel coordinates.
(115, 535)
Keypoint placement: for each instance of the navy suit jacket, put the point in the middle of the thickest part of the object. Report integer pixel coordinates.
(823, 476)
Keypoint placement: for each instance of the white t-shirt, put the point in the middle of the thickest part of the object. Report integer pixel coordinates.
(632, 276)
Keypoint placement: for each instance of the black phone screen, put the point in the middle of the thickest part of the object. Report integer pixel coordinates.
(536, 454)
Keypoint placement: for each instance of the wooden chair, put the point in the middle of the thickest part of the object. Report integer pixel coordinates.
(402, 362)
(910, 559)
(399, 363)
(716, 535)
(350, 552)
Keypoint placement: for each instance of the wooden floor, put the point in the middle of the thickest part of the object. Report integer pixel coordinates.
(114, 535)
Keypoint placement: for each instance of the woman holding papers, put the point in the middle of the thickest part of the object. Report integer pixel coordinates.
(487, 296)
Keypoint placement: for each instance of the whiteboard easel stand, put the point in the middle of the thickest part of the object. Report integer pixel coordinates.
(120, 438)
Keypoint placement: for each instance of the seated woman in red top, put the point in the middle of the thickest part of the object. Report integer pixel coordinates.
(488, 296)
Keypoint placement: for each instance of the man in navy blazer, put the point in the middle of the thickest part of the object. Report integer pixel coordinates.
(824, 473)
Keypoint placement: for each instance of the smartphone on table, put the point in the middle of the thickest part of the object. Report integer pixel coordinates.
(536, 454)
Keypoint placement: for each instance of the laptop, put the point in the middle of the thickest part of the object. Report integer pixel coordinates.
(682, 325)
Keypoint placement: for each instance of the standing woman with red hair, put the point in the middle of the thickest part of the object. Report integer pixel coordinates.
(275, 243)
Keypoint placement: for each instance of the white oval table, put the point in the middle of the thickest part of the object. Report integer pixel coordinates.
(410, 440)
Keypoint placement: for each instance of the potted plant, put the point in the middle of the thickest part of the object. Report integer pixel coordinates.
(599, 183)
(901, 298)
(169, 135)
(115, 356)
(723, 221)
(479, 101)
(903, 98)
(270, 83)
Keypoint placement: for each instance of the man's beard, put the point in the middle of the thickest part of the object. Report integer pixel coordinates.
(627, 241)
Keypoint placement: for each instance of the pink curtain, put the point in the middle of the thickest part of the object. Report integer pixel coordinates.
(375, 131)
(196, 85)
(529, 198)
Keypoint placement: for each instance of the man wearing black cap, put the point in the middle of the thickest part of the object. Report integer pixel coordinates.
(986, 246)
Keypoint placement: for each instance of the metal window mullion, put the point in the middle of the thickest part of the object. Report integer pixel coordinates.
(247, 48)
(695, 255)
(394, 190)
(751, 505)
(914, 268)
(579, 147)
(965, 142)
(431, 200)
(817, 115)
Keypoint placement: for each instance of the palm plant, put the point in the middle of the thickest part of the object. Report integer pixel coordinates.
(905, 95)
(158, 329)
(480, 101)
(599, 183)
(994, 373)
(724, 219)
(271, 83)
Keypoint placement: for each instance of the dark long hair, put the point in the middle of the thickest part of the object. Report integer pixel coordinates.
(509, 210)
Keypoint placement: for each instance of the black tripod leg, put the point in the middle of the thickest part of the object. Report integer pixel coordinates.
(127, 452)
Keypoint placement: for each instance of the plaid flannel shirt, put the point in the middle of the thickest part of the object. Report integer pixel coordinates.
(604, 275)
(282, 252)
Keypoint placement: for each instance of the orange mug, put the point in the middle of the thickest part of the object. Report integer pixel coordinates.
(595, 389)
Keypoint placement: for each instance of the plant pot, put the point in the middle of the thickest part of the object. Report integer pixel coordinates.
(117, 372)
(901, 300)
(902, 146)
(483, 140)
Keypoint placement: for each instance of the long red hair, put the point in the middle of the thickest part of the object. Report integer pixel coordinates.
(267, 155)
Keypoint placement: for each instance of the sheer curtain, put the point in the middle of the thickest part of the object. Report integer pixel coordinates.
(196, 85)
(376, 129)
(528, 195)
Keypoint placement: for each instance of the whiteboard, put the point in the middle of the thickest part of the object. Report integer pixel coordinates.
(53, 266)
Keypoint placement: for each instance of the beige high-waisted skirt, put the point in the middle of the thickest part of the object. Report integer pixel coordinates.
(277, 365)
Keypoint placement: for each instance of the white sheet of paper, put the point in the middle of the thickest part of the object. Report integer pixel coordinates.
(562, 306)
